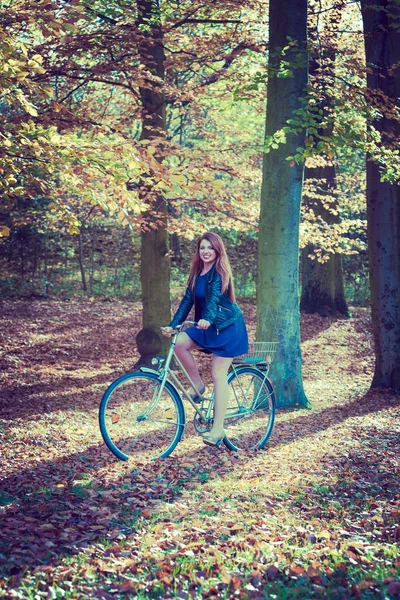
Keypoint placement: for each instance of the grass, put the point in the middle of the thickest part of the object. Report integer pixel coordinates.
(6, 499)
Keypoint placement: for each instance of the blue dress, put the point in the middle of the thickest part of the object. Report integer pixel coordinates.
(229, 342)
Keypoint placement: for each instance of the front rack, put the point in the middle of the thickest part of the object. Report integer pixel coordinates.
(258, 352)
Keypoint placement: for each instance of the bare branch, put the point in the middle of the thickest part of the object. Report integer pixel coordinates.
(208, 21)
(333, 7)
(72, 91)
(237, 51)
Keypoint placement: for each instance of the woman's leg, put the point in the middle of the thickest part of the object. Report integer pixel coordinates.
(182, 349)
(219, 369)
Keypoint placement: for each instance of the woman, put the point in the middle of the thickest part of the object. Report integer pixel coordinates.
(220, 328)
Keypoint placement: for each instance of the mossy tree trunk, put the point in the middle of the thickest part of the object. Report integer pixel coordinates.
(278, 316)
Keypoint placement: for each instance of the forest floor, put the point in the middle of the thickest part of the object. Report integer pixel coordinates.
(315, 515)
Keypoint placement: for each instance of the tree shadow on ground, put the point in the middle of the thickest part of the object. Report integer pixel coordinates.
(313, 423)
(367, 473)
(68, 393)
(57, 373)
(288, 430)
(312, 325)
(53, 513)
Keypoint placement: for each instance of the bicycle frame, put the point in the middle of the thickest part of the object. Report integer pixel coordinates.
(166, 374)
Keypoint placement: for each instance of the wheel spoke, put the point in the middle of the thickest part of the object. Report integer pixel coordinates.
(251, 409)
(135, 419)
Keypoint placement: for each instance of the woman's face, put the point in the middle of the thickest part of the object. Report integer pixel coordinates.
(207, 253)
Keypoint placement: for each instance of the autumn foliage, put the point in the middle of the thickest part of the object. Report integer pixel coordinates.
(127, 128)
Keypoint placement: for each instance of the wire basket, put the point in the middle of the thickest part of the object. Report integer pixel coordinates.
(258, 352)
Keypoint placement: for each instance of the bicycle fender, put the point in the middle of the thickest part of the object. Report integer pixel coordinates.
(148, 370)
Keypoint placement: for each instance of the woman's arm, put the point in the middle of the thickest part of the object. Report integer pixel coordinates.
(213, 295)
(183, 309)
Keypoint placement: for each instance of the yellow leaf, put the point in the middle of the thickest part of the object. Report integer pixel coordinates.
(377, 519)
(4, 231)
(48, 90)
(324, 534)
(137, 208)
(237, 528)
(31, 110)
(178, 179)
(128, 562)
(226, 578)
(133, 164)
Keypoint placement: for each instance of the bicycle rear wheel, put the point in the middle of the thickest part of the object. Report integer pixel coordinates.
(134, 421)
(251, 410)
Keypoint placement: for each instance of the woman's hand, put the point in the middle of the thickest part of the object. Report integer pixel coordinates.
(203, 324)
(167, 331)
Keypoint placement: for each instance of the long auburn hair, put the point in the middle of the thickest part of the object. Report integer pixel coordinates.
(221, 264)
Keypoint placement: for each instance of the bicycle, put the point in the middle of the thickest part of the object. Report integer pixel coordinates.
(142, 411)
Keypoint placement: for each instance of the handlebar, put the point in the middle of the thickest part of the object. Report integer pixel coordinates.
(178, 328)
(182, 325)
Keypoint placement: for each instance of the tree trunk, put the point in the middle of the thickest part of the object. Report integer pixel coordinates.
(278, 316)
(176, 250)
(64, 258)
(35, 259)
(322, 283)
(10, 248)
(322, 289)
(22, 254)
(81, 262)
(91, 260)
(382, 48)
(155, 262)
(117, 259)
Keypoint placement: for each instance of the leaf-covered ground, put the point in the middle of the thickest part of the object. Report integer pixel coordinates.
(315, 515)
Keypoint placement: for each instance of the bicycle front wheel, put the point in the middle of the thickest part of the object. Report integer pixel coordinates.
(251, 409)
(136, 420)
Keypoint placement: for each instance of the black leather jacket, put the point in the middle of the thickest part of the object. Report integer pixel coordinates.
(219, 308)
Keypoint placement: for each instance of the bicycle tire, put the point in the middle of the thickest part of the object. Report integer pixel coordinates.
(254, 408)
(132, 423)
